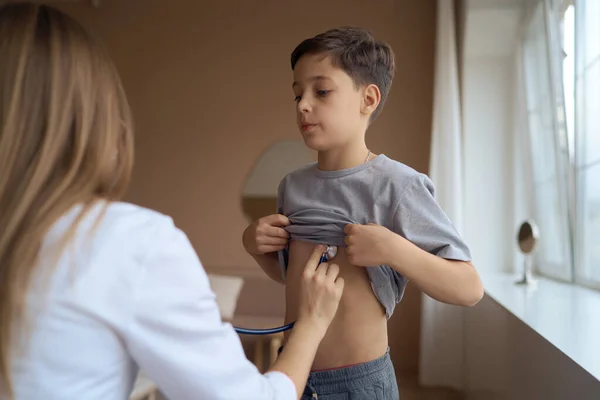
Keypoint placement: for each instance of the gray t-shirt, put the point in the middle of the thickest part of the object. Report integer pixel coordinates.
(383, 191)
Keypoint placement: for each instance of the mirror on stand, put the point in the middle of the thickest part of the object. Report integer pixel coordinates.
(527, 239)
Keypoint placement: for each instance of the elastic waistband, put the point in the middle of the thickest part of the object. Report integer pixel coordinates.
(351, 378)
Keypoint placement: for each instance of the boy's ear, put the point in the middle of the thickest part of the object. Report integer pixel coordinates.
(371, 99)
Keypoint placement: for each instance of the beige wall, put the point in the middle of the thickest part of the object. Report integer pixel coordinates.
(210, 86)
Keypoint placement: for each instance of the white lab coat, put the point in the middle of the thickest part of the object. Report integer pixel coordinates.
(131, 294)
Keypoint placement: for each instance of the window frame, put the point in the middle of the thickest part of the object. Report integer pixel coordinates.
(578, 167)
(556, 271)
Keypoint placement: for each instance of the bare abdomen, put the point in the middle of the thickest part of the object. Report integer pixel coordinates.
(358, 332)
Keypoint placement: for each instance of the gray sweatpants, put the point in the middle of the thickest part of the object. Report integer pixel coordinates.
(373, 380)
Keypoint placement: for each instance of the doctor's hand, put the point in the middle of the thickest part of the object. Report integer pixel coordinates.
(320, 291)
(266, 235)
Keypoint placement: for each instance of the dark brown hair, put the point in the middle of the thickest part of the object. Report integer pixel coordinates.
(354, 50)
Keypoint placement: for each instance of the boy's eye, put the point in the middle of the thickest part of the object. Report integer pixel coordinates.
(320, 93)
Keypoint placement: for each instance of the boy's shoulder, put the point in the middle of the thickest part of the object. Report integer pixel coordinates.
(395, 169)
(398, 175)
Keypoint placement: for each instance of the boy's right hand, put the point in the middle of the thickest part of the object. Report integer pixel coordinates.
(266, 235)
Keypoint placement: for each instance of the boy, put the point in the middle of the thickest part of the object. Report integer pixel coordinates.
(380, 213)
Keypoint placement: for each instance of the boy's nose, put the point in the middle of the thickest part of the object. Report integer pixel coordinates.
(304, 106)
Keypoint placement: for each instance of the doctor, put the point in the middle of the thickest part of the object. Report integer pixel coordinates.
(91, 289)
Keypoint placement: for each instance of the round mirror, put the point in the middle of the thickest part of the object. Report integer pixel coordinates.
(528, 237)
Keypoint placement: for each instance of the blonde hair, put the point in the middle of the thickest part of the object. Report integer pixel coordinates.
(66, 138)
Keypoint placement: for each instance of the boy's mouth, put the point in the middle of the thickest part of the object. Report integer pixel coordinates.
(308, 127)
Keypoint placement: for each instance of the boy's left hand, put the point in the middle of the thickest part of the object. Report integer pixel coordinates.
(369, 245)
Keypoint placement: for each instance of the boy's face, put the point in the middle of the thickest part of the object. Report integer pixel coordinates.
(329, 107)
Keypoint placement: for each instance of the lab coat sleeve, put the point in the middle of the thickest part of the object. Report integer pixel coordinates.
(176, 335)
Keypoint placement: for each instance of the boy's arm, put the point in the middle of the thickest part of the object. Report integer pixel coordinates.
(268, 230)
(449, 281)
(263, 239)
(422, 245)
(428, 249)
(270, 264)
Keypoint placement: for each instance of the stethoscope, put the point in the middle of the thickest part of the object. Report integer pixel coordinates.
(329, 253)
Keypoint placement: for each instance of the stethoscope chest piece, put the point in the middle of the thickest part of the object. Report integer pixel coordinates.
(329, 253)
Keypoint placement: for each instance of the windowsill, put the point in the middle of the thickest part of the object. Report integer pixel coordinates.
(566, 315)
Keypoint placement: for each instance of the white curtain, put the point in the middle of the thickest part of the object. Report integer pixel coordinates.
(442, 347)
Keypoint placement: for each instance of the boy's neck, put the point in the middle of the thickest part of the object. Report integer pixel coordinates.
(344, 158)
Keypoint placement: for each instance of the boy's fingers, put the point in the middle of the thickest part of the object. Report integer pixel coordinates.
(271, 248)
(347, 241)
(350, 229)
(270, 240)
(274, 231)
(278, 220)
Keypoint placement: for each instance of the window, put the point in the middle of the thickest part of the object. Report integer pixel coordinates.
(561, 53)
(548, 144)
(587, 141)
